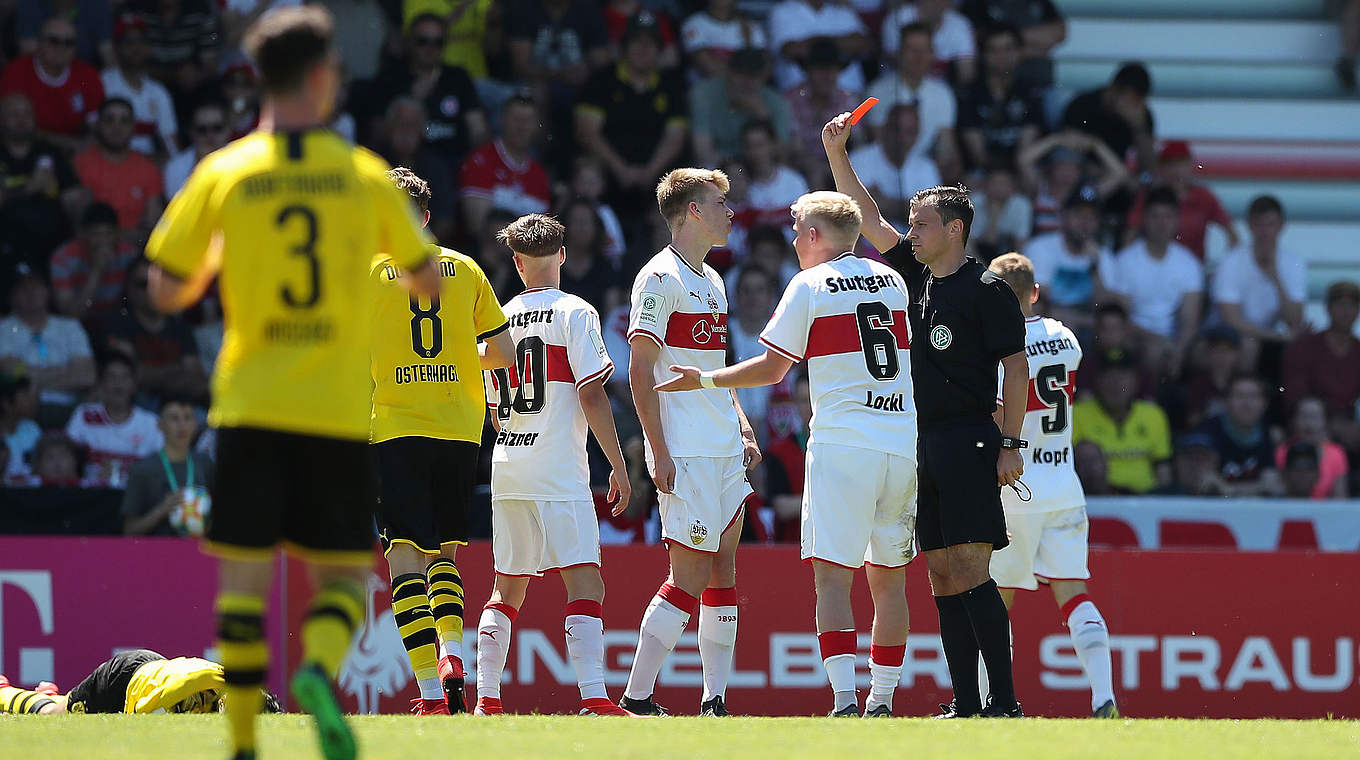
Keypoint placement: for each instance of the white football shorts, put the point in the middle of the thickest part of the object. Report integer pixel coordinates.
(533, 537)
(1048, 545)
(859, 506)
(709, 493)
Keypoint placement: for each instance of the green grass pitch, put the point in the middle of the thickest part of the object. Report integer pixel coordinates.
(80, 737)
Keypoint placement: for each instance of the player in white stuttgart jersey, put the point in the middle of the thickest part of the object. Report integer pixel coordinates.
(1048, 532)
(847, 317)
(542, 514)
(699, 444)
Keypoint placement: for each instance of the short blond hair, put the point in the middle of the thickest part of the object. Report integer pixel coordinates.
(680, 187)
(533, 235)
(834, 214)
(1017, 271)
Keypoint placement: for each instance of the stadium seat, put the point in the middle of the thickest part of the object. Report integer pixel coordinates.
(1113, 533)
(1176, 534)
(1298, 534)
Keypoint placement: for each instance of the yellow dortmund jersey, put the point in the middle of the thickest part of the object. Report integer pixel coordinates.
(1132, 449)
(292, 221)
(165, 684)
(427, 379)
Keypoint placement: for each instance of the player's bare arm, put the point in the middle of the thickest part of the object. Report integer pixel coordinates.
(600, 417)
(750, 449)
(643, 353)
(876, 229)
(497, 351)
(171, 294)
(766, 369)
(1014, 395)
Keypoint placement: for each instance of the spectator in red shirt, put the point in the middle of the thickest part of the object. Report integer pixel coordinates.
(64, 91)
(1326, 364)
(93, 21)
(1330, 467)
(503, 173)
(1199, 205)
(88, 273)
(785, 456)
(120, 176)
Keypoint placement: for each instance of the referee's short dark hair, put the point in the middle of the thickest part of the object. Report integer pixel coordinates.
(286, 43)
(950, 202)
(411, 182)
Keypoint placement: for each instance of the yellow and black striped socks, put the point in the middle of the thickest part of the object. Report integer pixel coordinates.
(331, 621)
(415, 622)
(245, 662)
(446, 601)
(14, 700)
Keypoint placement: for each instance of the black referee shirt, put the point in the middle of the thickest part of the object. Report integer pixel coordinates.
(962, 326)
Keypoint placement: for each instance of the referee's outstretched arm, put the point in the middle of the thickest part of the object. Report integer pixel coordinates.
(875, 229)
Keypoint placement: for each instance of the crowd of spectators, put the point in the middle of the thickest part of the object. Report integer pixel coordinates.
(1200, 376)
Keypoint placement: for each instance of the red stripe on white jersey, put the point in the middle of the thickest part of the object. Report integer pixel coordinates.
(839, 334)
(1069, 388)
(557, 371)
(697, 332)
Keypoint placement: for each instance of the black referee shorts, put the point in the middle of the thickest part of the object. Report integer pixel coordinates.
(105, 690)
(312, 493)
(958, 499)
(426, 487)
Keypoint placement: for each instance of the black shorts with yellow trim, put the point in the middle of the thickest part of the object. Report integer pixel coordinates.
(425, 491)
(105, 689)
(312, 494)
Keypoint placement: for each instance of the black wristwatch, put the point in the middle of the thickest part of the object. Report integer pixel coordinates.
(1008, 442)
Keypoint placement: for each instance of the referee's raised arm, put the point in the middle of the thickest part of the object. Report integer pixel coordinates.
(875, 228)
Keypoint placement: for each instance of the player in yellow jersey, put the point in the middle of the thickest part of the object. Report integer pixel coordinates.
(138, 681)
(428, 412)
(289, 219)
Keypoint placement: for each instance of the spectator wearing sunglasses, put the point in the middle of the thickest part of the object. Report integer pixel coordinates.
(65, 92)
(208, 131)
(119, 176)
(156, 128)
(455, 121)
(93, 20)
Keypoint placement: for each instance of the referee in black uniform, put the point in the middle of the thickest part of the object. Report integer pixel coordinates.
(964, 320)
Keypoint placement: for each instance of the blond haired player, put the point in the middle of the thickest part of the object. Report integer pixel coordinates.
(288, 219)
(699, 443)
(1048, 532)
(847, 317)
(427, 432)
(542, 512)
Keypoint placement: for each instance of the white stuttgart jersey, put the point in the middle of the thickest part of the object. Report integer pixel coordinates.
(684, 310)
(1054, 355)
(540, 450)
(848, 318)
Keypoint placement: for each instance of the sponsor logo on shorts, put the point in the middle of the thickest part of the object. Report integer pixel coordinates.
(697, 533)
(941, 337)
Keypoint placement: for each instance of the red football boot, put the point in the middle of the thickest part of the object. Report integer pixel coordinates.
(429, 707)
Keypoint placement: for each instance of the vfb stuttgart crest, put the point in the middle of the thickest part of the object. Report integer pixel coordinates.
(940, 337)
(713, 307)
(697, 533)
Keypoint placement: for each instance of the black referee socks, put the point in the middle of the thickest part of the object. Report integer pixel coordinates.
(960, 651)
(991, 626)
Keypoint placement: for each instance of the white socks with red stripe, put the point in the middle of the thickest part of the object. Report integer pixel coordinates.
(493, 645)
(717, 638)
(1091, 639)
(662, 624)
(885, 670)
(585, 646)
(838, 655)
